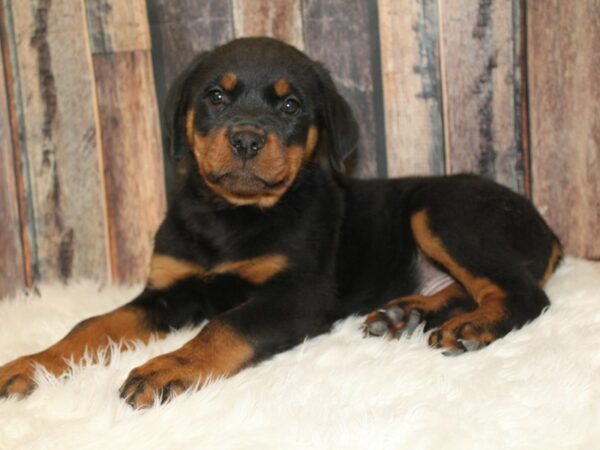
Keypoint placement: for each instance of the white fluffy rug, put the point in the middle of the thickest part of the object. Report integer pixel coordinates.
(537, 388)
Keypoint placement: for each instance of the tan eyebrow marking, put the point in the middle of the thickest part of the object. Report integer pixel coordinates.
(228, 81)
(281, 87)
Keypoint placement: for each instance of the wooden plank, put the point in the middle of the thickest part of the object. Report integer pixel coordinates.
(343, 34)
(60, 138)
(12, 273)
(133, 163)
(564, 92)
(117, 25)
(411, 84)
(281, 20)
(480, 53)
(180, 30)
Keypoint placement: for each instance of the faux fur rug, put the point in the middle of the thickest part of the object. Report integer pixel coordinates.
(537, 388)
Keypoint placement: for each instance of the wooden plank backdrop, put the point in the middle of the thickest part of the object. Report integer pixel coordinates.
(508, 89)
(564, 81)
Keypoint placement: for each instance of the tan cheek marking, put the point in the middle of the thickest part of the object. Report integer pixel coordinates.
(166, 271)
(228, 81)
(189, 127)
(255, 270)
(281, 87)
(311, 142)
(485, 292)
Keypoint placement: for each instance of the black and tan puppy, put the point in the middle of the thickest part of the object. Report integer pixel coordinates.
(270, 242)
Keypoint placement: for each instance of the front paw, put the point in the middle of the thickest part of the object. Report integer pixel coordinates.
(16, 377)
(160, 378)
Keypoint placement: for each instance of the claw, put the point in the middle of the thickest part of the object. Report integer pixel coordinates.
(395, 313)
(453, 352)
(377, 328)
(414, 319)
(470, 345)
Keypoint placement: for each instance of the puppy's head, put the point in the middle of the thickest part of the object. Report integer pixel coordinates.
(253, 113)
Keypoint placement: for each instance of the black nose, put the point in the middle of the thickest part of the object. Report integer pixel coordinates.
(246, 143)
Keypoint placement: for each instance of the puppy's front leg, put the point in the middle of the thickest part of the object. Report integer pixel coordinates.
(135, 321)
(276, 318)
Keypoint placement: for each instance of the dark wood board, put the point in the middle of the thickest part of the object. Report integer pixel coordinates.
(343, 34)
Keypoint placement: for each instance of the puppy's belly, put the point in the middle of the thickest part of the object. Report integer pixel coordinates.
(431, 279)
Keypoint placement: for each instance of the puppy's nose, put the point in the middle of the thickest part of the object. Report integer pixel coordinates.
(246, 143)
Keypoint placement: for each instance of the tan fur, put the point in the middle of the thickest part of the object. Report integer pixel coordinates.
(228, 81)
(281, 87)
(217, 351)
(255, 270)
(166, 271)
(552, 262)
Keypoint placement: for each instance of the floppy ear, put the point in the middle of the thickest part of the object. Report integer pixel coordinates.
(338, 120)
(178, 101)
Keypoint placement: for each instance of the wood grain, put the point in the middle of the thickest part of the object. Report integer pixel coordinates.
(564, 92)
(343, 35)
(60, 139)
(481, 76)
(411, 84)
(117, 25)
(281, 20)
(182, 29)
(12, 273)
(134, 171)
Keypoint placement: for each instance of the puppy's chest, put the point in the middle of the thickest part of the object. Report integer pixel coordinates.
(166, 270)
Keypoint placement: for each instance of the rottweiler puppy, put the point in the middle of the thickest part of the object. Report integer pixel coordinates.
(268, 240)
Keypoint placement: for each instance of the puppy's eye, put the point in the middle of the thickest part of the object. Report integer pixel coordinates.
(290, 105)
(216, 96)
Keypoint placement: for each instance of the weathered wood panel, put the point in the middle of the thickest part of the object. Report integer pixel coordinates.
(12, 265)
(564, 92)
(281, 20)
(133, 165)
(131, 144)
(180, 30)
(117, 25)
(49, 44)
(481, 75)
(343, 35)
(411, 84)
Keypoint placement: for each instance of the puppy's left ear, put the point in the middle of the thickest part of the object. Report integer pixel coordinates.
(178, 101)
(338, 120)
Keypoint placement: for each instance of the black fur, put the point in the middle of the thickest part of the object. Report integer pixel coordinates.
(349, 242)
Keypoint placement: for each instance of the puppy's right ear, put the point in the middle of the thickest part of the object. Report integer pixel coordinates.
(179, 100)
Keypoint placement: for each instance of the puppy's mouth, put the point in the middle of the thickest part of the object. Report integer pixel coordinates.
(244, 182)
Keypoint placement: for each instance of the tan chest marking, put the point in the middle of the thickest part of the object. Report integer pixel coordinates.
(166, 270)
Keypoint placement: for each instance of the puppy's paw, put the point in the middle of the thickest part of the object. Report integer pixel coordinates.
(396, 318)
(459, 336)
(16, 377)
(162, 377)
